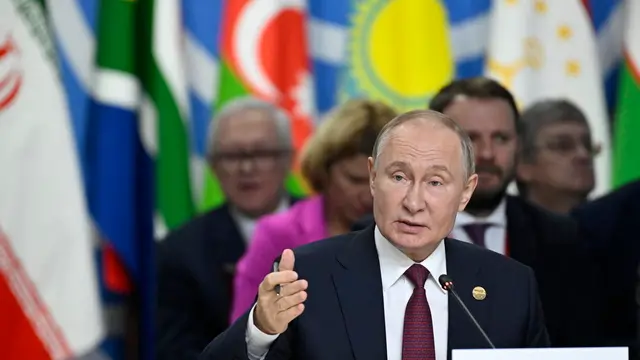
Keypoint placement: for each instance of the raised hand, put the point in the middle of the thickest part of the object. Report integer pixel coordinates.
(274, 312)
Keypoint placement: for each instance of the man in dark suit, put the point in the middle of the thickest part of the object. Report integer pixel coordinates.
(546, 242)
(609, 227)
(374, 294)
(249, 151)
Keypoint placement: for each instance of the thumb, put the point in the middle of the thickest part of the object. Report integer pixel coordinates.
(287, 260)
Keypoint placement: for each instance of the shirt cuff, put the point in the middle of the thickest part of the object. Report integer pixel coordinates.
(258, 343)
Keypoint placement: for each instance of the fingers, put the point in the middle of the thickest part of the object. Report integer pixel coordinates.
(294, 287)
(284, 303)
(282, 277)
(291, 313)
(287, 260)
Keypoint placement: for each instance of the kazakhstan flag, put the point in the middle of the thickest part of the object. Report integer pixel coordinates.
(403, 51)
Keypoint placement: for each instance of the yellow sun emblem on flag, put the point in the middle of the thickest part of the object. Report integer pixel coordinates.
(400, 51)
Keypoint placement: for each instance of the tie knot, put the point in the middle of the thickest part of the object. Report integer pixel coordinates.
(417, 274)
(476, 232)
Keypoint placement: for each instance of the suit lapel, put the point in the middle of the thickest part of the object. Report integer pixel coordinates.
(520, 233)
(466, 275)
(231, 243)
(359, 287)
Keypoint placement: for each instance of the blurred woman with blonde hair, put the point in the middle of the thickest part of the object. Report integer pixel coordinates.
(334, 161)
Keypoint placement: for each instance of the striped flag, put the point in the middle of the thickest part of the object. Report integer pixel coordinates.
(543, 49)
(119, 172)
(627, 124)
(49, 305)
(165, 110)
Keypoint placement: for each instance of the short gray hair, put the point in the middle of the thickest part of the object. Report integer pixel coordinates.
(239, 105)
(468, 159)
(542, 114)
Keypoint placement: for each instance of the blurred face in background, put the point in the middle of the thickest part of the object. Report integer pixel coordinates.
(563, 160)
(347, 188)
(251, 162)
(491, 126)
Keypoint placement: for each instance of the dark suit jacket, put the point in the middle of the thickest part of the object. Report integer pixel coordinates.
(610, 227)
(549, 244)
(195, 279)
(344, 311)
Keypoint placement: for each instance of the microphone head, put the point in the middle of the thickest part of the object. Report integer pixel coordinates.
(446, 282)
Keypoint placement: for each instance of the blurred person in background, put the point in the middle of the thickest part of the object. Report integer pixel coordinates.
(555, 168)
(250, 151)
(509, 225)
(609, 227)
(334, 161)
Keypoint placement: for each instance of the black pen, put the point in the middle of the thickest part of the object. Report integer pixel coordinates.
(276, 266)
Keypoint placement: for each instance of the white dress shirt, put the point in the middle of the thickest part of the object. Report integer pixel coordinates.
(495, 238)
(247, 225)
(396, 290)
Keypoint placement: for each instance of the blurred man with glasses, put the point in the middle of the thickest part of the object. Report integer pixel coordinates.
(250, 151)
(555, 168)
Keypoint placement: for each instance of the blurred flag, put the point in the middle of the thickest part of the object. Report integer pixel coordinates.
(119, 173)
(627, 123)
(263, 52)
(541, 49)
(49, 302)
(403, 51)
(165, 109)
(201, 20)
(608, 20)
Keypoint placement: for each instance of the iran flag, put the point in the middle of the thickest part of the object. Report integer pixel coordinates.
(49, 307)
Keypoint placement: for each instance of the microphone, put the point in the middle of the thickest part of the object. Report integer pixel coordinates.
(447, 284)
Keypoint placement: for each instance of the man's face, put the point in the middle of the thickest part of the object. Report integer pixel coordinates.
(563, 159)
(250, 162)
(418, 186)
(491, 126)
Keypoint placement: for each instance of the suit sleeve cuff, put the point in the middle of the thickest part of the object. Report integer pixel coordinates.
(258, 343)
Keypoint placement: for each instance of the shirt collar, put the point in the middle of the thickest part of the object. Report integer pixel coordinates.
(242, 218)
(497, 218)
(394, 263)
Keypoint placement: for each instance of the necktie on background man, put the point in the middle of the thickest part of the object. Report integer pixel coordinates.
(417, 337)
(477, 232)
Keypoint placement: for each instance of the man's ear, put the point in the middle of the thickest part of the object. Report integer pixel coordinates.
(372, 173)
(467, 192)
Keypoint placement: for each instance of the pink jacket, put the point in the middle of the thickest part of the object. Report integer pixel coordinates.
(303, 223)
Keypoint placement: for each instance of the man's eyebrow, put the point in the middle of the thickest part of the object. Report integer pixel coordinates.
(441, 168)
(397, 164)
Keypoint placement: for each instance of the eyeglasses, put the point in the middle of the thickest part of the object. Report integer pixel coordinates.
(260, 160)
(568, 145)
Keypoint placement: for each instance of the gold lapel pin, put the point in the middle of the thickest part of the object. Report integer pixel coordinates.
(479, 293)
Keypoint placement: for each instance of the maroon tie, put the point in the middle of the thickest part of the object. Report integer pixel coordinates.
(476, 232)
(417, 337)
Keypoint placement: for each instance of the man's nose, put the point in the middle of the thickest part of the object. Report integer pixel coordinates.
(247, 165)
(413, 201)
(484, 149)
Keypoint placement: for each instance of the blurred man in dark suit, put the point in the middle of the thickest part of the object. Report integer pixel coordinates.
(249, 150)
(555, 167)
(511, 226)
(609, 226)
